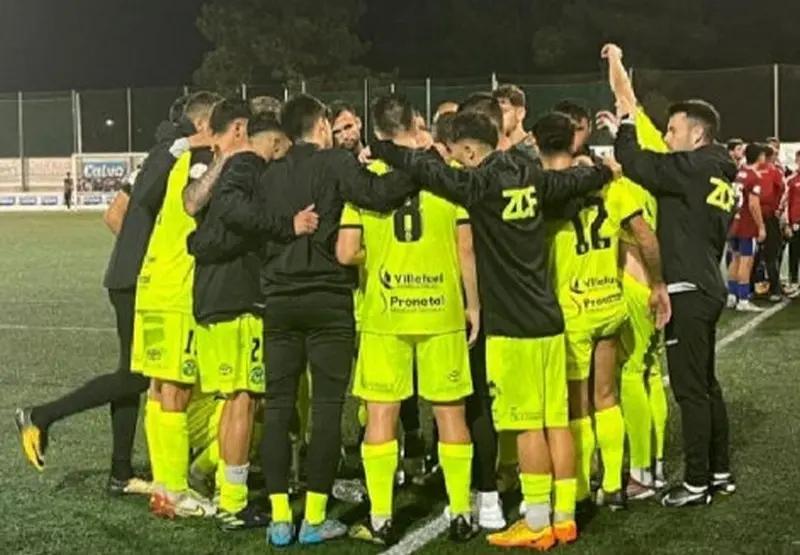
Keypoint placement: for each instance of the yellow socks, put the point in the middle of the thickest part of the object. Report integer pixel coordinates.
(611, 441)
(659, 410)
(281, 510)
(636, 411)
(316, 508)
(207, 461)
(583, 438)
(380, 466)
(564, 500)
(537, 491)
(174, 447)
(152, 419)
(456, 461)
(233, 487)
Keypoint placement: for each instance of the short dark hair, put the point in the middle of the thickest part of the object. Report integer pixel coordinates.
(512, 93)
(443, 128)
(573, 109)
(226, 112)
(700, 111)
(264, 122)
(475, 126)
(338, 107)
(200, 104)
(392, 113)
(301, 114)
(773, 140)
(554, 133)
(177, 109)
(266, 104)
(484, 103)
(769, 151)
(732, 144)
(752, 152)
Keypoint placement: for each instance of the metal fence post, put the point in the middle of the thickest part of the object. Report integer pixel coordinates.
(776, 101)
(21, 137)
(79, 122)
(366, 106)
(129, 102)
(303, 86)
(428, 107)
(494, 82)
(186, 90)
(244, 91)
(286, 94)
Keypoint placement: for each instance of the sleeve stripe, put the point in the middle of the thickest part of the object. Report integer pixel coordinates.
(627, 219)
(351, 226)
(462, 221)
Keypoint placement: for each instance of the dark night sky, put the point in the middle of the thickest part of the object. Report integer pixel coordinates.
(83, 44)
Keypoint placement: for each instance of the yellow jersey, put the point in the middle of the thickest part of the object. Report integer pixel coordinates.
(412, 273)
(167, 275)
(649, 139)
(584, 256)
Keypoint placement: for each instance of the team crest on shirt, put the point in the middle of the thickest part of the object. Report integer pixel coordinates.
(225, 370)
(153, 355)
(257, 375)
(454, 375)
(189, 369)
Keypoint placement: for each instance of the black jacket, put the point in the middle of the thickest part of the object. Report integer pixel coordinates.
(327, 179)
(696, 202)
(505, 197)
(226, 242)
(147, 196)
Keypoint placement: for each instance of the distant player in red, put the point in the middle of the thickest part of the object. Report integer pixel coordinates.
(772, 188)
(748, 226)
(793, 213)
(736, 150)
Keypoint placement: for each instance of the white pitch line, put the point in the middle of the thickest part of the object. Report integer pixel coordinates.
(24, 327)
(422, 536)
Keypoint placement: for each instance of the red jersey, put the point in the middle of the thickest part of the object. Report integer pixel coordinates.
(772, 187)
(793, 194)
(748, 182)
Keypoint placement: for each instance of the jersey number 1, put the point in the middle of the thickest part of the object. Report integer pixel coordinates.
(408, 222)
(594, 241)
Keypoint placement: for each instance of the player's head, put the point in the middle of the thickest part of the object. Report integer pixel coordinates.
(177, 109)
(581, 120)
(422, 134)
(447, 107)
(346, 126)
(736, 148)
(692, 124)
(770, 152)
(266, 105)
(774, 143)
(512, 101)
(393, 116)
(443, 129)
(198, 109)
(484, 103)
(474, 137)
(555, 135)
(267, 136)
(305, 118)
(228, 125)
(754, 154)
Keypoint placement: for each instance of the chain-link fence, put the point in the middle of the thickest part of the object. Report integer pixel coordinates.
(755, 102)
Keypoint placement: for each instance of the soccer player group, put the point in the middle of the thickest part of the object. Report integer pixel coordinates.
(511, 279)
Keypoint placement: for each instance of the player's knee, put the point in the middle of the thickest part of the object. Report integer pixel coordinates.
(382, 422)
(451, 419)
(175, 397)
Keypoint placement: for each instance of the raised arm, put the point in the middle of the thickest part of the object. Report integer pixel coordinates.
(556, 187)
(464, 187)
(659, 173)
(197, 194)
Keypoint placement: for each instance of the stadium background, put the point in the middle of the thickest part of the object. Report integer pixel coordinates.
(42, 131)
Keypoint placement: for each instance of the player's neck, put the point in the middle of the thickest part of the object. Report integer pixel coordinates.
(405, 139)
(517, 136)
(556, 161)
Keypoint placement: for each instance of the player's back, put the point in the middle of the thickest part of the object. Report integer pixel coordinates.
(166, 278)
(585, 254)
(413, 276)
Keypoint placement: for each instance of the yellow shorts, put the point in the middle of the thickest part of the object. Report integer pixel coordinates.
(231, 356)
(642, 345)
(527, 382)
(581, 342)
(164, 346)
(385, 367)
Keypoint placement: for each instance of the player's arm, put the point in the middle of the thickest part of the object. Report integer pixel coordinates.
(115, 212)
(349, 246)
(649, 248)
(659, 173)
(556, 187)
(365, 189)
(197, 194)
(463, 187)
(151, 183)
(469, 277)
(753, 192)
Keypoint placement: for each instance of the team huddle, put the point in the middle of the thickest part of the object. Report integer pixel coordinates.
(511, 279)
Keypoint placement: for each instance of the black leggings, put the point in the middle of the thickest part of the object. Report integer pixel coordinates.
(479, 420)
(121, 389)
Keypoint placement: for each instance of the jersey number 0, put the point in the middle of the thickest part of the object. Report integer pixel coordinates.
(594, 241)
(408, 222)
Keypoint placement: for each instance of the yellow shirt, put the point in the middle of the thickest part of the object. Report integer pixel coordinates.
(412, 271)
(584, 256)
(167, 274)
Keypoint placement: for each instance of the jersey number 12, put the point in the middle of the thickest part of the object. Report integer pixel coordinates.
(594, 241)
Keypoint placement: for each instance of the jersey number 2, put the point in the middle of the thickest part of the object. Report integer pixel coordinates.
(594, 241)
(408, 222)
